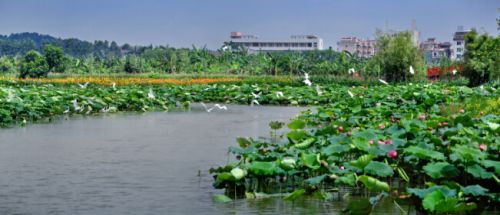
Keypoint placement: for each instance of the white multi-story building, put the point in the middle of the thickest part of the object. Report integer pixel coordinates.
(458, 44)
(358, 47)
(294, 43)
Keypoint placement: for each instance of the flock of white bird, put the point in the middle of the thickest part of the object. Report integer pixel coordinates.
(254, 101)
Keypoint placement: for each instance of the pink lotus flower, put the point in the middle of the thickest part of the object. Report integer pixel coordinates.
(370, 142)
(392, 154)
(421, 117)
(482, 147)
(342, 167)
(462, 111)
(340, 128)
(381, 142)
(348, 134)
(381, 126)
(388, 142)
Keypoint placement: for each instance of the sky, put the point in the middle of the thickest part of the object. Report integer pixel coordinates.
(182, 23)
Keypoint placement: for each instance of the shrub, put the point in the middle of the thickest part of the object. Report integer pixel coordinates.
(481, 58)
(396, 53)
(33, 65)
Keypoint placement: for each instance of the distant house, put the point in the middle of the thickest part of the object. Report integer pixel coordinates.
(433, 50)
(358, 47)
(294, 43)
(458, 44)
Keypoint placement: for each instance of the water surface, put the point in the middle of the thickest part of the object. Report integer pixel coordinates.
(125, 163)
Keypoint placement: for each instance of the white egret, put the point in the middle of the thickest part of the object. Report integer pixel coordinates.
(66, 111)
(114, 86)
(306, 79)
(75, 105)
(350, 94)
(454, 72)
(308, 82)
(151, 95)
(83, 86)
(412, 71)
(383, 82)
(279, 94)
(220, 107)
(318, 90)
(256, 95)
(206, 108)
(255, 102)
(351, 71)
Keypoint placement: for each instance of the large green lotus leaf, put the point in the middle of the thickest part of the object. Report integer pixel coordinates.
(379, 169)
(373, 184)
(466, 154)
(334, 149)
(315, 180)
(421, 193)
(349, 179)
(295, 195)
(243, 142)
(219, 198)
(296, 135)
(492, 163)
(361, 143)
(368, 134)
(362, 161)
(297, 124)
(437, 201)
(426, 154)
(479, 172)
(440, 169)
(263, 168)
(475, 190)
(311, 160)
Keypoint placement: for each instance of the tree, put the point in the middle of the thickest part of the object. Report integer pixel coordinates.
(55, 58)
(33, 65)
(482, 54)
(6, 65)
(395, 54)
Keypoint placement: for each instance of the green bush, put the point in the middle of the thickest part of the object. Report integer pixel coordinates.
(33, 65)
(482, 58)
(396, 53)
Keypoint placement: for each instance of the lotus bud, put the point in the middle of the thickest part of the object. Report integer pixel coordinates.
(342, 168)
(340, 128)
(370, 142)
(381, 126)
(380, 142)
(482, 147)
(462, 111)
(421, 117)
(348, 134)
(392, 154)
(388, 142)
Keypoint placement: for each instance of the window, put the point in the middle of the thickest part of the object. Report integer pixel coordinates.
(459, 43)
(309, 44)
(255, 44)
(459, 49)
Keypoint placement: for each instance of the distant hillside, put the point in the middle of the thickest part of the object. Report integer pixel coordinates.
(20, 43)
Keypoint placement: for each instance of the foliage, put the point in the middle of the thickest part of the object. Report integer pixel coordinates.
(55, 58)
(33, 65)
(445, 163)
(395, 54)
(481, 57)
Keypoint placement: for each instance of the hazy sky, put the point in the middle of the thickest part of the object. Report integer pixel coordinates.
(180, 23)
